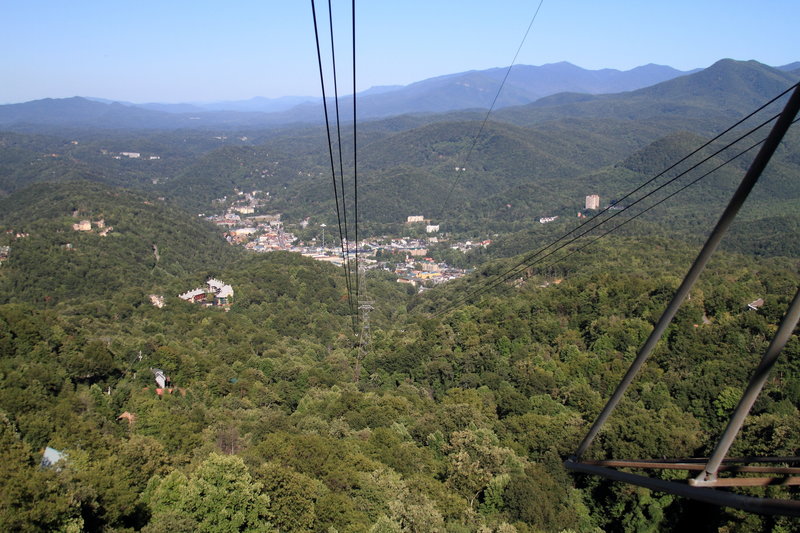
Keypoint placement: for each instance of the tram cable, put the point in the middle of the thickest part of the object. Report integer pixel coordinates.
(527, 263)
(346, 242)
(672, 194)
(528, 260)
(536, 257)
(342, 234)
(351, 285)
(489, 112)
(355, 151)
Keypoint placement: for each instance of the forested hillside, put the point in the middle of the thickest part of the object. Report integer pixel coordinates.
(132, 241)
(455, 423)
(267, 408)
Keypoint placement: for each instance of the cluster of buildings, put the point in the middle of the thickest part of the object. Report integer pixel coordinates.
(407, 247)
(241, 223)
(426, 272)
(215, 293)
(419, 219)
(266, 233)
(407, 257)
(129, 155)
(86, 225)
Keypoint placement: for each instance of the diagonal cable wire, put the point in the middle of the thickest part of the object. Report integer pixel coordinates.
(669, 196)
(642, 212)
(528, 260)
(531, 259)
(346, 242)
(662, 173)
(665, 184)
(491, 108)
(604, 211)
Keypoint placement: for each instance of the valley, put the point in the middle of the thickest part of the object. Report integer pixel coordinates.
(430, 374)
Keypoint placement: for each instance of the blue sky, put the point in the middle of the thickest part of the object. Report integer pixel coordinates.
(192, 51)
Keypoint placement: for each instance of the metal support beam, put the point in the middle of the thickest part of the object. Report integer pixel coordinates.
(709, 475)
(748, 182)
(752, 504)
(686, 465)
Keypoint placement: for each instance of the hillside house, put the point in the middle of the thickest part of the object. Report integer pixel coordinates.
(214, 293)
(222, 293)
(196, 295)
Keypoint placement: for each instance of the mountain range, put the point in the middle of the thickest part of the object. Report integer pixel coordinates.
(465, 90)
(532, 160)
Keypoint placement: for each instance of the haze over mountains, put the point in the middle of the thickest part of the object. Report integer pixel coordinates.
(465, 90)
(452, 92)
(532, 160)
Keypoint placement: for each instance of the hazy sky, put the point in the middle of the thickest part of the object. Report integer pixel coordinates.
(191, 51)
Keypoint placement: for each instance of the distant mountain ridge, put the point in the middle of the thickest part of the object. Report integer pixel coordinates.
(718, 93)
(465, 90)
(547, 86)
(525, 84)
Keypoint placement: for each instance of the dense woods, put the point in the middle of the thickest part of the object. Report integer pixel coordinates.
(456, 419)
(455, 423)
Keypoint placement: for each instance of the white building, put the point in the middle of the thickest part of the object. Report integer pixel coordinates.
(593, 201)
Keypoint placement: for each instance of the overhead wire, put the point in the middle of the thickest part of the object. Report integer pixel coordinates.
(342, 235)
(489, 112)
(526, 262)
(642, 198)
(355, 150)
(669, 196)
(671, 167)
(531, 260)
(346, 241)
